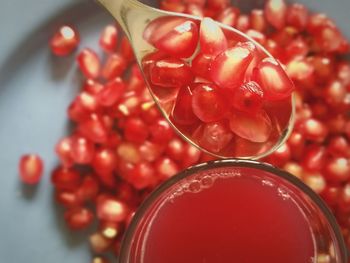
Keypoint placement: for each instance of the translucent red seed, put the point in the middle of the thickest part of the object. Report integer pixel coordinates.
(30, 168)
(89, 63)
(109, 38)
(64, 41)
(275, 12)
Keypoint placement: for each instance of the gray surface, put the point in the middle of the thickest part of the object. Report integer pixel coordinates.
(35, 89)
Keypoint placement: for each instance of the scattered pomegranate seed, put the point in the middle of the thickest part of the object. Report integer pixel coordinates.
(257, 20)
(114, 66)
(64, 41)
(78, 218)
(216, 136)
(111, 209)
(31, 168)
(297, 16)
(111, 92)
(275, 12)
(212, 39)
(248, 97)
(229, 16)
(109, 38)
(66, 178)
(89, 63)
(182, 112)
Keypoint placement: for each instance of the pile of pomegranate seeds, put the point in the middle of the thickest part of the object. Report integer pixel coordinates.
(121, 148)
(206, 76)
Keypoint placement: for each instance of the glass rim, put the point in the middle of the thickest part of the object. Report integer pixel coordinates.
(146, 204)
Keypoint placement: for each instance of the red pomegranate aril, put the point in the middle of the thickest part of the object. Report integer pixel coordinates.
(297, 16)
(110, 229)
(297, 48)
(78, 218)
(323, 66)
(175, 149)
(275, 12)
(201, 65)
(30, 168)
(313, 129)
(93, 129)
(343, 72)
(88, 189)
(281, 156)
(243, 23)
(344, 200)
(105, 161)
(200, 3)
(128, 152)
(273, 80)
(211, 37)
(228, 16)
(66, 179)
(126, 50)
(190, 156)
(114, 66)
(195, 10)
(149, 114)
(294, 169)
(180, 42)
(67, 198)
(248, 97)
(165, 168)
(92, 87)
(257, 36)
(89, 63)
(170, 73)
(135, 130)
(161, 131)
(334, 93)
(257, 20)
(64, 41)
(63, 150)
(337, 169)
(331, 194)
(338, 146)
(100, 260)
(171, 6)
(216, 136)
(111, 92)
(142, 176)
(82, 150)
(111, 209)
(217, 4)
(76, 111)
(99, 243)
(88, 101)
(209, 102)
(182, 112)
(329, 38)
(228, 68)
(315, 181)
(299, 69)
(150, 151)
(254, 128)
(296, 144)
(109, 38)
(314, 157)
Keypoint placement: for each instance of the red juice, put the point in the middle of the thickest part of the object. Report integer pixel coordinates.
(226, 214)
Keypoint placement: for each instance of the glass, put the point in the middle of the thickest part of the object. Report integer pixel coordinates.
(320, 227)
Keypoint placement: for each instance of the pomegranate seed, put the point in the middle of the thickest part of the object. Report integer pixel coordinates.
(142, 175)
(257, 36)
(126, 49)
(275, 12)
(248, 97)
(180, 42)
(216, 136)
(344, 200)
(166, 168)
(200, 3)
(64, 41)
(99, 243)
(315, 181)
(31, 168)
(217, 4)
(329, 38)
(273, 79)
(343, 72)
(88, 189)
(313, 130)
(294, 169)
(114, 66)
(257, 20)
(296, 143)
(190, 156)
(129, 152)
(111, 92)
(108, 39)
(89, 63)
(243, 23)
(161, 132)
(93, 129)
(78, 218)
(100, 260)
(171, 6)
(229, 16)
(212, 39)
(297, 16)
(175, 149)
(297, 48)
(111, 209)
(67, 198)
(334, 93)
(105, 161)
(201, 65)
(109, 229)
(195, 10)
(299, 69)
(66, 179)
(339, 146)
(331, 194)
(281, 156)
(337, 169)
(82, 150)
(229, 67)
(135, 130)
(208, 102)
(254, 128)
(63, 150)
(150, 151)
(170, 73)
(313, 158)
(182, 112)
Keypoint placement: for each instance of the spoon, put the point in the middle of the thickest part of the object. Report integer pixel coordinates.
(216, 86)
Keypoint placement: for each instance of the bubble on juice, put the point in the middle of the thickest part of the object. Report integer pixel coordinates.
(195, 186)
(207, 181)
(283, 193)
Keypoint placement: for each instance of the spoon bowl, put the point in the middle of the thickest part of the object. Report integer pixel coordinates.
(218, 88)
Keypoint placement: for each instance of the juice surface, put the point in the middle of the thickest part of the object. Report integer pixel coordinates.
(240, 219)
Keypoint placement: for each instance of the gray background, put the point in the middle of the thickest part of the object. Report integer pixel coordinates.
(35, 90)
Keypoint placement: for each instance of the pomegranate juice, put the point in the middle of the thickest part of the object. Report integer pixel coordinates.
(226, 214)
